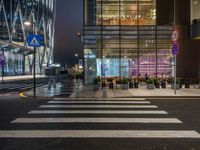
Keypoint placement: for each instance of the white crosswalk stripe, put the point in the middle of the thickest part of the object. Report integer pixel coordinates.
(96, 120)
(99, 99)
(98, 106)
(97, 112)
(98, 134)
(106, 111)
(99, 102)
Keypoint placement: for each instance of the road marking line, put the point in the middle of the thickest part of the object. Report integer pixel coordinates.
(99, 102)
(104, 99)
(189, 134)
(96, 120)
(22, 94)
(95, 112)
(98, 106)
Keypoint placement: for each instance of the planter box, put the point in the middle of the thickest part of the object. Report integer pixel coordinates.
(177, 86)
(111, 85)
(95, 87)
(103, 85)
(157, 85)
(131, 85)
(124, 86)
(150, 86)
(163, 85)
(187, 85)
(136, 85)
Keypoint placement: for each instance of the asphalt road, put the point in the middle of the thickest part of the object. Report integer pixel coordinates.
(98, 134)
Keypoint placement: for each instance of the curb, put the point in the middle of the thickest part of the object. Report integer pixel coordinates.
(24, 95)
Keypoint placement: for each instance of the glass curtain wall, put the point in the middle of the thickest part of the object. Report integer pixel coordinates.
(121, 39)
(13, 14)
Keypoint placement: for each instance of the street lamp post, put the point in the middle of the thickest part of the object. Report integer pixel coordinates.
(28, 23)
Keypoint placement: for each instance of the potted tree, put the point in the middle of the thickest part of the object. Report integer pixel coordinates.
(96, 84)
(181, 83)
(187, 84)
(150, 84)
(164, 84)
(157, 83)
(124, 84)
(136, 84)
(110, 81)
(199, 83)
(131, 84)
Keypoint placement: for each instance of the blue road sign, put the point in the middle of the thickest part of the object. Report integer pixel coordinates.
(34, 40)
(2, 60)
(175, 49)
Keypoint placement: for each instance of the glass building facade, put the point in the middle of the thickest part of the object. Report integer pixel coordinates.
(125, 38)
(13, 14)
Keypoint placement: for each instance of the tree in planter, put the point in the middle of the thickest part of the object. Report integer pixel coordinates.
(136, 84)
(187, 83)
(124, 84)
(131, 84)
(142, 81)
(164, 83)
(170, 80)
(150, 84)
(96, 83)
(110, 83)
(181, 82)
(156, 83)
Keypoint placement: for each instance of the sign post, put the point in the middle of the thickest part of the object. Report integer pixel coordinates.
(2, 64)
(175, 49)
(34, 41)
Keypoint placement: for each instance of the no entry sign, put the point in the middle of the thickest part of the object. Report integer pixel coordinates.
(175, 36)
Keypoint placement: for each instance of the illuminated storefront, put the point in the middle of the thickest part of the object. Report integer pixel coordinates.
(122, 38)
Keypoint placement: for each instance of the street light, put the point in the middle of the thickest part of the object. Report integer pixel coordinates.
(29, 23)
(76, 55)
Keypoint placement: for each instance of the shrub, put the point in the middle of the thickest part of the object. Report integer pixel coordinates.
(150, 81)
(125, 81)
(177, 81)
(96, 80)
(110, 80)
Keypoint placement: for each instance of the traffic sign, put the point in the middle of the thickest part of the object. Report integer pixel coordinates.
(175, 36)
(34, 40)
(175, 49)
(2, 60)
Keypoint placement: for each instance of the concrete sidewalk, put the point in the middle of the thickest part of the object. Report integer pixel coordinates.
(87, 91)
(16, 78)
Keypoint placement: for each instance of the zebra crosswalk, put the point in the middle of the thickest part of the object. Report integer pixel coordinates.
(111, 118)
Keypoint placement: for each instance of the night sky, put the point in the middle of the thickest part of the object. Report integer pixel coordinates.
(69, 21)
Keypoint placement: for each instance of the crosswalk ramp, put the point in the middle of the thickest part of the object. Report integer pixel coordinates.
(61, 89)
(99, 118)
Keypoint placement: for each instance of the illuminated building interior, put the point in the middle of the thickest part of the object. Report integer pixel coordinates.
(122, 38)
